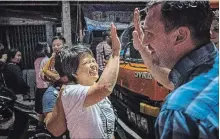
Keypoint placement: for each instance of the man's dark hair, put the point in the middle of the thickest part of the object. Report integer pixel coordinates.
(11, 54)
(196, 15)
(69, 58)
(41, 49)
(105, 34)
(59, 38)
(215, 22)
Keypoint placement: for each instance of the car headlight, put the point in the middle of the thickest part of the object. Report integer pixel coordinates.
(114, 92)
(144, 124)
(133, 117)
(117, 93)
(138, 120)
(129, 116)
(120, 96)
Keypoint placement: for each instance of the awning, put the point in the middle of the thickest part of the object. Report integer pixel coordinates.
(100, 16)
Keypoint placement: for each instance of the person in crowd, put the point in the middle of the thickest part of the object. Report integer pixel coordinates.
(3, 59)
(4, 56)
(48, 70)
(88, 112)
(42, 51)
(14, 81)
(56, 81)
(1, 47)
(3, 53)
(52, 103)
(176, 36)
(103, 51)
(215, 29)
(13, 74)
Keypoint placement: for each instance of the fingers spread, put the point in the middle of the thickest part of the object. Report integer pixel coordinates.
(136, 18)
(136, 41)
(137, 24)
(113, 34)
(116, 45)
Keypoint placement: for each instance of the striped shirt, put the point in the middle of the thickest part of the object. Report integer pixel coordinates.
(191, 110)
(103, 52)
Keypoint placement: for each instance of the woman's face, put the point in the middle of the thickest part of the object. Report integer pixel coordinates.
(48, 49)
(17, 58)
(4, 58)
(57, 45)
(87, 72)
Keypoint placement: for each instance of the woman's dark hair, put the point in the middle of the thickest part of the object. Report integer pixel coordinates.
(11, 54)
(59, 38)
(69, 58)
(41, 49)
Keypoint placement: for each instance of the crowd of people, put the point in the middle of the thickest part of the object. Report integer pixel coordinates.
(177, 44)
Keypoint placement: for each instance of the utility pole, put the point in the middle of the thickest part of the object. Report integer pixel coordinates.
(66, 22)
(80, 23)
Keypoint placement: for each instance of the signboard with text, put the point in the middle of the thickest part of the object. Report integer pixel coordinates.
(100, 16)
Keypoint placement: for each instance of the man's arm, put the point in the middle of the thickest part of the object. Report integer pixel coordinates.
(107, 81)
(173, 124)
(159, 73)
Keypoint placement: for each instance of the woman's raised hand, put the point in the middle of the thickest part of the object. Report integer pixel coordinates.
(116, 45)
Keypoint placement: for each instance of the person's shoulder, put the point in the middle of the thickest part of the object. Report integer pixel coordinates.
(74, 89)
(13, 67)
(189, 92)
(45, 59)
(100, 44)
(51, 90)
(196, 98)
(38, 61)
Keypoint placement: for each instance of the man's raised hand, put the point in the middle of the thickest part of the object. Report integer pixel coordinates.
(137, 33)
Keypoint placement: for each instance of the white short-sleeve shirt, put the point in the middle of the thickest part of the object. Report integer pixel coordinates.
(96, 121)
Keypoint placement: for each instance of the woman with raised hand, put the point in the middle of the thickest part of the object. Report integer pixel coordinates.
(88, 112)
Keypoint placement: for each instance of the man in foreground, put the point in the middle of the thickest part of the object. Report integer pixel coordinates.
(176, 36)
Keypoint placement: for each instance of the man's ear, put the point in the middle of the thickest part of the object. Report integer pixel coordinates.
(183, 33)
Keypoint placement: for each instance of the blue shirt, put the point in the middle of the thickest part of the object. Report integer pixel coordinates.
(49, 99)
(191, 110)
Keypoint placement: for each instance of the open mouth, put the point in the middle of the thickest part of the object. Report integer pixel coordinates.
(93, 73)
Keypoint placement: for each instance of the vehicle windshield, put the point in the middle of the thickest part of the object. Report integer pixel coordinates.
(128, 52)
